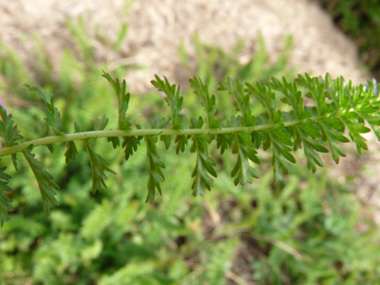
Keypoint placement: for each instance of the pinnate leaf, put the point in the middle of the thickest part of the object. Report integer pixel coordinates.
(173, 99)
(71, 152)
(5, 202)
(45, 181)
(123, 98)
(99, 167)
(242, 170)
(156, 175)
(334, 109)
(9, 132)
(130, 145)
(204, 166)
(208, 102)
(53, 115)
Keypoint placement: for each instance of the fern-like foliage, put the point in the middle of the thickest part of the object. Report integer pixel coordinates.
(336, 112)
(44, 179)
(204, 166)
(5, 202)
(9, 132)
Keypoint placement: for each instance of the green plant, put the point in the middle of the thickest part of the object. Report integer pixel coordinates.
(285, 125)
(303, 231)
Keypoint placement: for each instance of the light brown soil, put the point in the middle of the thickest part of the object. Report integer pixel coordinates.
(157, 27)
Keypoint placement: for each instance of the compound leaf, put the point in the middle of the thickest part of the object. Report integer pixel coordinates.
(123, 98)
(130, 145)
(44, 179)
(53, 115)
(99, 167)
(5, 202)
(156, 175)
(9, 132)
(71, 152)
(173, 99)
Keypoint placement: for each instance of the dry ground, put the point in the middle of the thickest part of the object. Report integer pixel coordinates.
(156, 28)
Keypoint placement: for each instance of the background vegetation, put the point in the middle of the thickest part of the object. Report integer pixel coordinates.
(361, 21)
(308, 230)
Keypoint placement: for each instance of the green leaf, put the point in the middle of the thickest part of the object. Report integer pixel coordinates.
(354, 131)
(243, 147)
(161, 123)
(9, 132)
(71, 152)
(266, 97)
(181, 142)
(100, 124)
(208, 102)
(5, 202)
(130, 145)
(223, 142)
(204, 166)
(308, 134)
(115, 141)
(373, 121)
(292, 95)
(333, 136)
(44, 179)
(173, 99)
(241, 98)
(156, 175)
(316, 87)
(281, 152)
(99, 167)
(43, 131)
(286, 124)
(122, 101)
(167, 141)
(53, 116)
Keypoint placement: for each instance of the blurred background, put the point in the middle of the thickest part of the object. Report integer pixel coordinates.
(310, 229)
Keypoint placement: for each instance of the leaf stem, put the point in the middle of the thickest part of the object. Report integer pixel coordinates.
(147, 132)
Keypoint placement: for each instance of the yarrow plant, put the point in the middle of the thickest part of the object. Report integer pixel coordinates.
(337, 112)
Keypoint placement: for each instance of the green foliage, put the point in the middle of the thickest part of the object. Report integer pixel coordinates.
(5, 203)
(130, 144)
(360, 20)
(304, 244)
(44, 179)
(9, 132)
(208, 102)
(243, 147)
(304, 231)
(155, 164)
(122, 101)
(204, 166)
(285, 124)
(99, 166)
(173, 99)
(53, 116)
